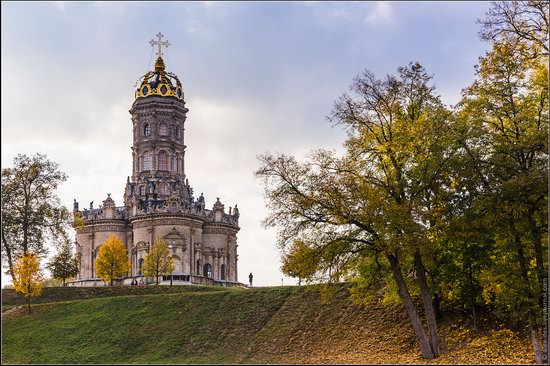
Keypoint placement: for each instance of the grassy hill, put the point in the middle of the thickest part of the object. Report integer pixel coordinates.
(188, 324)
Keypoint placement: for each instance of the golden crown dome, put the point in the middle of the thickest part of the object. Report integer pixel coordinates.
(159, 83)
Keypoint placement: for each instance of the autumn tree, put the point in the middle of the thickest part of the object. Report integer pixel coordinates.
(158, 261)
(376, 201)
(28, 277)
(78, 220)
(31, 211)
(112, 261)
(301, 262)
(506, 111)
(519, 22)
(64, 265)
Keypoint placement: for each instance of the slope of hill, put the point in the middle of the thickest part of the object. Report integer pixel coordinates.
(261, 325)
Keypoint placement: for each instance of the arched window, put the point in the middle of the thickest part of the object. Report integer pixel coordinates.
(146, 129)
(222, 272)
(198, 266)
(174, 162)
(207, 272)
(140, 266)
(163, 130)
(147, 161)
(163, 188)
(142, 190)
(163, 161)
(94, 253)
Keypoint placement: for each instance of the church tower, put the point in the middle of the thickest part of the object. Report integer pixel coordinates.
(158, 150)
(158, 200)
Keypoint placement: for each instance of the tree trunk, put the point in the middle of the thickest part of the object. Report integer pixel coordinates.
(428, 305)
(419, 330)
(29, 302)
(533, 329)
(541, 355)
(437, 307)
(433, 275)
(474, 315)
(541, 273)
(471, 291)
(8, 252)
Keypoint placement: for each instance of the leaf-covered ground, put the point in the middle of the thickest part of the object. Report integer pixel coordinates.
(263, 325)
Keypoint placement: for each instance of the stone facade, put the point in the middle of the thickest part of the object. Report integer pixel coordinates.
(158, 200)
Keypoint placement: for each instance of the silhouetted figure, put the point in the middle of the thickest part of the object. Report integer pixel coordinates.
(250, 277)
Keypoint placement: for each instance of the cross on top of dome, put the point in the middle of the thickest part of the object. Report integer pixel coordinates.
(159, 43)
(159, 82)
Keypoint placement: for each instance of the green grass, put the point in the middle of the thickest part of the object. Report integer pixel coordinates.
(54, 294)
(219, 325)
(185, 327)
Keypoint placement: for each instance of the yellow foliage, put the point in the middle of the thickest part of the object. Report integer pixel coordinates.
(158, 261)
(300, 262)
(112, 261)
(28, 278)
(78, 220)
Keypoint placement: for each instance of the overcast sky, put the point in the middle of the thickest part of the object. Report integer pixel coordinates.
(257, 77)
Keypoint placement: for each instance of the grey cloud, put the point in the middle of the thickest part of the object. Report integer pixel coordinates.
(257, 76)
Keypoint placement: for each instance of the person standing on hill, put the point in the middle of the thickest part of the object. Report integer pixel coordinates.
(250, 278)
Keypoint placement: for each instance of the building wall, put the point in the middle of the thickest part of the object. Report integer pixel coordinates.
(191, 240)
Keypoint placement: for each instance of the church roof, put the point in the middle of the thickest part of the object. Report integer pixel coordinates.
(159, 82)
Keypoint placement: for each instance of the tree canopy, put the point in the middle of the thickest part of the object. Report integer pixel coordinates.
(32, 214)
(112, 261)
(158, 261)
(64, 264)
(443, 204)
(28, 277)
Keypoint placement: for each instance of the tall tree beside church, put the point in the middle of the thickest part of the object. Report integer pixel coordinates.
(31, 211)
(508, 106)
(376, 201)
(158, 261)
(112, 261)
(28, 277)
(64, 264)
(506, 111)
